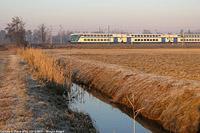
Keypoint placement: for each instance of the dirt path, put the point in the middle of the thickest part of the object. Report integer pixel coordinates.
(26, 104)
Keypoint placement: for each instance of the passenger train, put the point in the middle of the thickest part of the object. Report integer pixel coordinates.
(133, 38)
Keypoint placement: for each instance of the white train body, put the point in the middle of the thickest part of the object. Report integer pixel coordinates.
(133, 38)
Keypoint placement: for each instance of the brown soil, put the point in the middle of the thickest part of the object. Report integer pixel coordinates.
(179, 63)
(26, 104)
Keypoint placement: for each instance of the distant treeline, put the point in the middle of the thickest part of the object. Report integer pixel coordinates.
(33, 36)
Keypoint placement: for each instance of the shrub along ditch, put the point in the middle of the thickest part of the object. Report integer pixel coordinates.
(46, 68)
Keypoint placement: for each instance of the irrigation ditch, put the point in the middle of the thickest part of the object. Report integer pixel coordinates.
(109, 116)
(169, 102)
(173, 103)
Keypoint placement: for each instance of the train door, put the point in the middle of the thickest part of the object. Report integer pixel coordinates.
(128, 39)
(115, 39)
(163, 39)
(175, 39)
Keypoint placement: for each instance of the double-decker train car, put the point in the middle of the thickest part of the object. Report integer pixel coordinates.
(133, 38)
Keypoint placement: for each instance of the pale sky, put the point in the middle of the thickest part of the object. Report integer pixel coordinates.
(89, 15)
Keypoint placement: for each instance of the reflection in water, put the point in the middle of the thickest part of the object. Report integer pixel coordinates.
(109, 117)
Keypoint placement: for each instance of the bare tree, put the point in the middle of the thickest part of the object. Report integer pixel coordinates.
(2, 36)
(29, 35)
(43, 34)
(16, 32)
(36, 36)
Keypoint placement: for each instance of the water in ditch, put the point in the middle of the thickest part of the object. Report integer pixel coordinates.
(108, 119)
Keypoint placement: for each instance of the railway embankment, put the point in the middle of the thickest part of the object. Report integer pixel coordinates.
(172, 102)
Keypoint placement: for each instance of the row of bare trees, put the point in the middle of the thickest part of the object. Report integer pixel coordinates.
(16, 33)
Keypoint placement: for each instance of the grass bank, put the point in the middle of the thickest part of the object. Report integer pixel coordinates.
(46, 68)
(172, 102)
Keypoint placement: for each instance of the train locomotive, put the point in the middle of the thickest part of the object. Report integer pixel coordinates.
(133, 38)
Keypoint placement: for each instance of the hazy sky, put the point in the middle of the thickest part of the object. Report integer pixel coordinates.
(82, 15)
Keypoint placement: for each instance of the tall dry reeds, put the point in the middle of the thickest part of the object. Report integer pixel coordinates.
(45, 68)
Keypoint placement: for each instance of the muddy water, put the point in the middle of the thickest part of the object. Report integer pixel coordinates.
(108, 119)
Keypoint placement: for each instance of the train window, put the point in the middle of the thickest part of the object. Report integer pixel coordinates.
(141, 39)
(190, 39)
(95, 35)
(88, 39)
(150, 35)
(156, 35)
(98, 39)
(85, 35)
(141, 35)
(138, 39)
(154, 39)
(147, 39)
(181, 39)
(91, 35)
(153, 35)
(91, 39)
(132, 35)
(195, 39)
(104, 39)
(95, 40)
(101, 39)
(84, 39)
(145, 36)
(108, 40)
(138, 35)
(104, 35)
(150, 39)
(135, 35)
(101, 35)
(107, 35)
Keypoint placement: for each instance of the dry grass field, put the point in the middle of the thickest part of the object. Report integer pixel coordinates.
(179, 63)
(164, 82)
